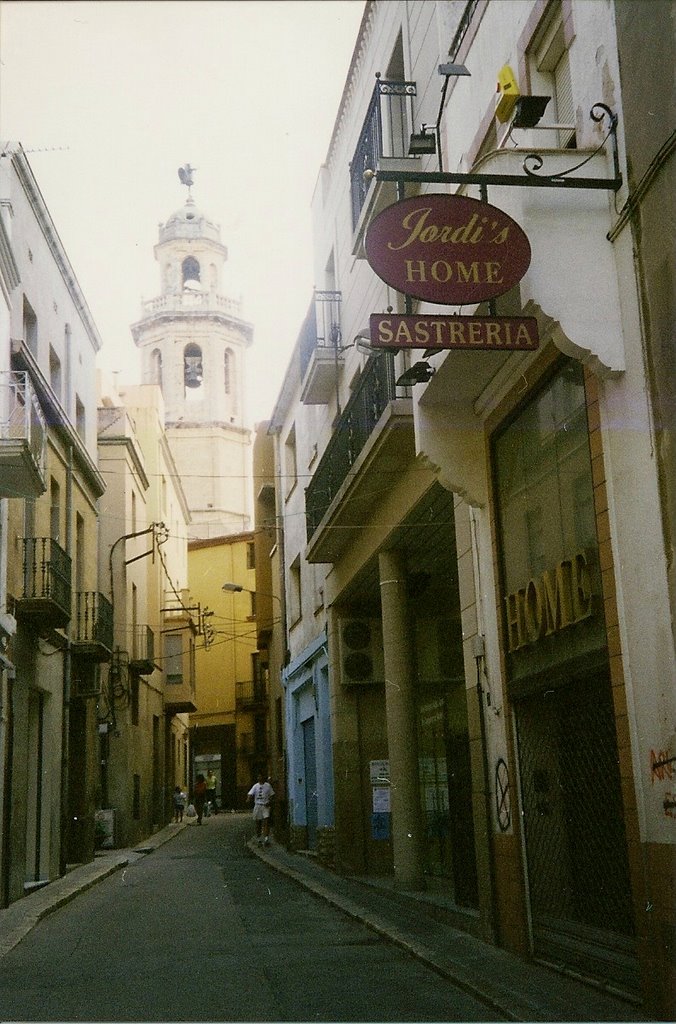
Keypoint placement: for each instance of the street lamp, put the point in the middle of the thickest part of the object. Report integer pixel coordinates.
(237, 588)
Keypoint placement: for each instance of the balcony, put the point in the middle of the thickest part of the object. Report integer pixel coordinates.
(321, 354)
(23, 436)
(371, 445)
(188, 301)
(93, 632)
(46, 598)
(251, 695)
(383, 144)
(142, 654)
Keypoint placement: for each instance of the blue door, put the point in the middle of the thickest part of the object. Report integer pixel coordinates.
(310, 755)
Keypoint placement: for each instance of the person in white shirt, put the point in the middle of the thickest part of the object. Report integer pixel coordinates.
(261, 793)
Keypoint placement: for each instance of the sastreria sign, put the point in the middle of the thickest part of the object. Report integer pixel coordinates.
(447, 249)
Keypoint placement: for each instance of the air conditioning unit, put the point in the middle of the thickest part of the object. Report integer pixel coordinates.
(361, 652)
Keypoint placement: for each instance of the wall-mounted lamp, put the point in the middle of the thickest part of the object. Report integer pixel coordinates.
(419, 373)
(422, 144)
(362, 343)
(452, 70)
(528, 110)
(447, 71)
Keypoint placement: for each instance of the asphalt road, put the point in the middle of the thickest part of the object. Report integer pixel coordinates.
(201, 930)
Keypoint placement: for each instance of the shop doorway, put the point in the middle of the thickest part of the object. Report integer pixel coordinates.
(446, 789)
(578, 872)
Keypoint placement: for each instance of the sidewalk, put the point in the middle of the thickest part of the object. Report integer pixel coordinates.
(18, 919)
(512, 988)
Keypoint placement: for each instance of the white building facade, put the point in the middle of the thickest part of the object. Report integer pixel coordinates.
(493, 516)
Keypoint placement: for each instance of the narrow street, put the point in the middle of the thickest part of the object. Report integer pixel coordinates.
(201, 930)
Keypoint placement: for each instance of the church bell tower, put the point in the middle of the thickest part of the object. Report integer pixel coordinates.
(193, 344)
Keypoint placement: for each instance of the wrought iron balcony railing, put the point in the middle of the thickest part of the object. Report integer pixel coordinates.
(93, 631)
(321, 328)
(23, 435)
(251, 693)
(142, 654)
(46, 582)
(374, 390)
(385, 133)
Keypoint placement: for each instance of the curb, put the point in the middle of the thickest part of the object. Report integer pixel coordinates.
(414, 949)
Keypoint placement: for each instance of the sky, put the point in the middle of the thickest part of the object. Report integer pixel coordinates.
(110, 98)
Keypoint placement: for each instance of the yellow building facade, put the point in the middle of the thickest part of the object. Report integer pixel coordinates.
(229, 730)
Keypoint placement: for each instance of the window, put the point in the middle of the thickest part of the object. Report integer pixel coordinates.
(79, 553)
(30, 327)
(55, 374)
(550, 76)
(68, 357)
(55, 510)
(295, 594)
(156, 367)
(173, 659)
(80, 417)
(190, 269)
(192, 366)
(290, 464)
(134, 687)
(227, 371)
(251, 555)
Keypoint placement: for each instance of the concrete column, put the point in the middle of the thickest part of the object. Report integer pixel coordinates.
(407, 832)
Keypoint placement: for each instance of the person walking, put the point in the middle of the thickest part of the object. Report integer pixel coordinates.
(179, 804)
(261, 793)
(200, 796)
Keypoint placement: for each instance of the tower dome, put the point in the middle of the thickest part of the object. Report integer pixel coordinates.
(189, 222)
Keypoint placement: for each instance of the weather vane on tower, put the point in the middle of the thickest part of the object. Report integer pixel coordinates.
(186, 176)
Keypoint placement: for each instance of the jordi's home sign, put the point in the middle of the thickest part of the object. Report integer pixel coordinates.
(447, 249)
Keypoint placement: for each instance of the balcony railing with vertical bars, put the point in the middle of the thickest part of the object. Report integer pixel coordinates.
(93, 633)
(374, 390)
(385, 133)
(23, 436)
(46, 596)
(251, 693)
(142, 655)
(321, 328)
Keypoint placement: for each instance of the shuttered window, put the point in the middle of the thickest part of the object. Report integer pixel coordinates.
(563, 90)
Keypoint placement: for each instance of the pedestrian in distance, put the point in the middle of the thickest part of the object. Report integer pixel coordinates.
(199, 796)
(211, 790)
(179, 804)
(261, 793)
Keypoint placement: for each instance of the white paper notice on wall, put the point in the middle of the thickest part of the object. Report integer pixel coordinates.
(381, 799)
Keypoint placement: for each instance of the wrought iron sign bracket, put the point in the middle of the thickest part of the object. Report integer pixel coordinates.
(532, 164)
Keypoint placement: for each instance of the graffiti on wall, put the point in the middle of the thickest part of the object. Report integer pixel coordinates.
(502, 798)
(663, 769)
